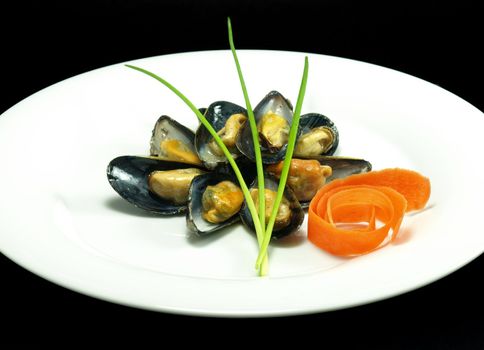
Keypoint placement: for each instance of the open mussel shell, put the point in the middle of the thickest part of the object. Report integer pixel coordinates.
(217, 115)
(344, 166)
(341, 167)
(272, 103)
(296, 216)
(195, 221)
(128, 175)
(310, 125)
(166, 129)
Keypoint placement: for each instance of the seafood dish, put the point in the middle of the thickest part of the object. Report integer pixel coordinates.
(186, 172)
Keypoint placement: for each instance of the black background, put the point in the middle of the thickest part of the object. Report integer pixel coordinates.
(44, 42)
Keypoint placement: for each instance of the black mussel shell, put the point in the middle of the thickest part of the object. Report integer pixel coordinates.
(341, 167)
(278, 104)
(168, 128)
(309, 121)
(128, 175)
(217, 115)
(247, 168)
(344, 166)
(195, 221)
(297, 213)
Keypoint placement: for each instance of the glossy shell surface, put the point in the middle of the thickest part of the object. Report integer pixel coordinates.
(128, 175)
(168, 128)
(310, 121)
(297, 212)
(217, 115)
(277, 104)
(195, 222)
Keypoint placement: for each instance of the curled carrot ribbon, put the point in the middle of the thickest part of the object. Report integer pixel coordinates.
(354, 216)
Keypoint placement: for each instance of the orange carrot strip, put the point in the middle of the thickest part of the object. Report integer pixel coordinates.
(412, 185)
(383, 195)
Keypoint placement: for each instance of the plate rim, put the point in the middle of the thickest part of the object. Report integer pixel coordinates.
(38, 271)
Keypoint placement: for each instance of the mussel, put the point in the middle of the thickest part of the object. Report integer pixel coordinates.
(344, 166)
(273, 116)
(188, 172)
(318, 136)
(290, 215)
(172, 141)
(307, 176)
(214, 202)
(152, 184)
(227, 119)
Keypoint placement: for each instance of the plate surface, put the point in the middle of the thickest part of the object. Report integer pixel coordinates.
(60, 218)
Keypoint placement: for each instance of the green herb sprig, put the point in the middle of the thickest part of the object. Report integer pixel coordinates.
(261, 264)
(257, 150)
(286, 165)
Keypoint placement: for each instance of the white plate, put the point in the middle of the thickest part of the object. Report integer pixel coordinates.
(60, 218)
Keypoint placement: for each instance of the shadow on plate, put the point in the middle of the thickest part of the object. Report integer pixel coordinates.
(202, 241)
(293, 240)
(122, 206)
(403, 237)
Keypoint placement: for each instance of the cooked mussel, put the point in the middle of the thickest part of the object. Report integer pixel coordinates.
(273, 116)
(318, 136)
(172, 141)
(344, 166)
(152, 184)
(307, 176)
(289, 216)
(214, 202)
(227, 119)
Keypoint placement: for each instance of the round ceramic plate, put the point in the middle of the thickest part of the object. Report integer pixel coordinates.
(60, 218)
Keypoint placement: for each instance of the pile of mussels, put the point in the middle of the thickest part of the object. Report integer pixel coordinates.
(187, 172)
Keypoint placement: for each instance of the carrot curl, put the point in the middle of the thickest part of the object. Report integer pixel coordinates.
(354, 215)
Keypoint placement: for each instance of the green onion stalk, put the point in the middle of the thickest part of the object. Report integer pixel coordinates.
(255, 140)
(285, 166)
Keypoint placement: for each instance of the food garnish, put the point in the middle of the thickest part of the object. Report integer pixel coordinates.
(343, 216)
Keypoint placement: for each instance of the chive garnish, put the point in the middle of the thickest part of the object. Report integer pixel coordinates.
(218, 140)
(255, 138)
(285, 167)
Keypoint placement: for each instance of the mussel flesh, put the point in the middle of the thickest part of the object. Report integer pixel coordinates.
(214, 201)
(305, 178)
(228, 134)
(318, 136)
(172, 184)
(283, 217)
(221, 201)
(273, 116)
(344, 166)
(227, 119)
(289, 216)
(152, 184)
(273, 131)
(172, 141)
